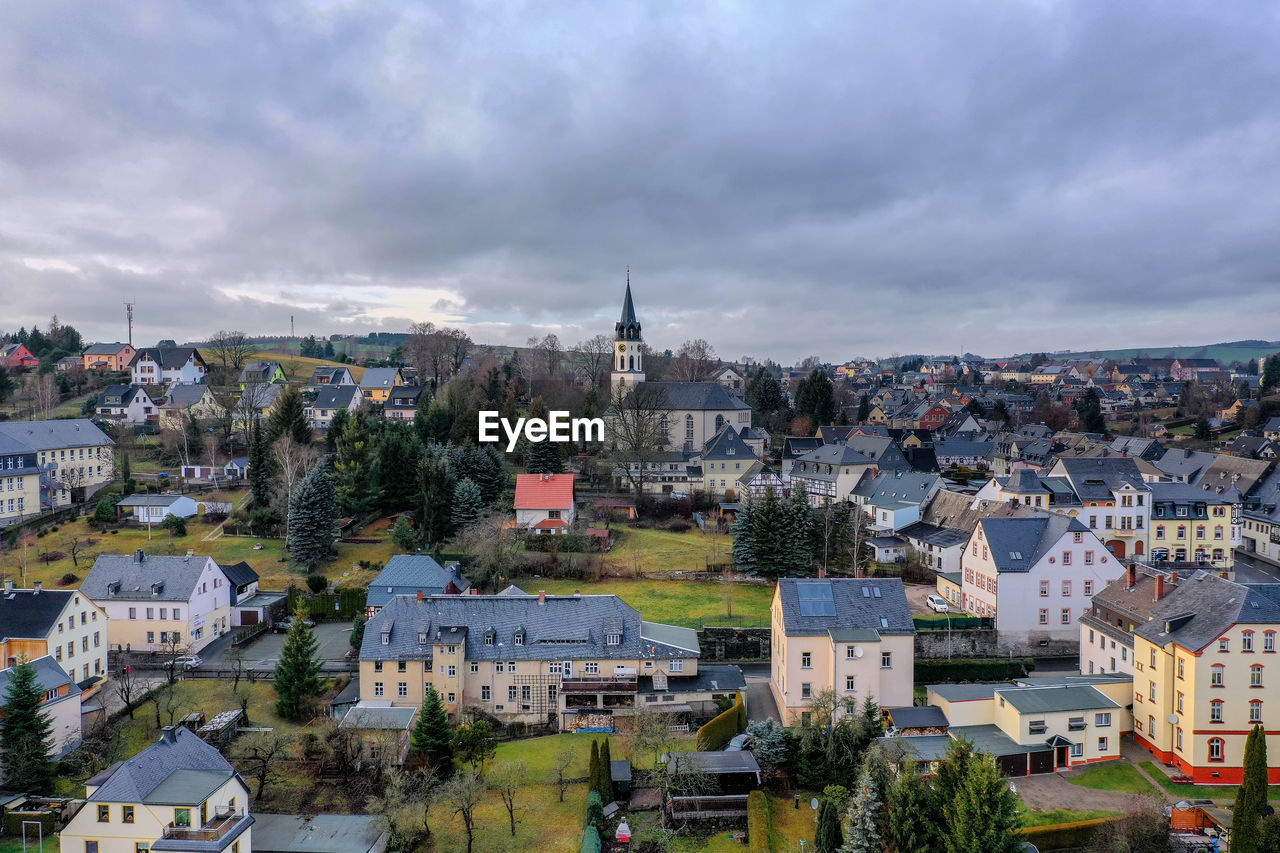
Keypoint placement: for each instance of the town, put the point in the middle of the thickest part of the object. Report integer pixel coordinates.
(281, 593)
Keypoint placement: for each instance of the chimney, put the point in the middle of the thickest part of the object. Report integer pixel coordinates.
(38, 585)
(542, 597)
(138, 556)
(169, 734)
(1159, 587)
(419, 596)
(1133, 576)
(822, 573)
(1173, 577)
(474, 591)
(8, 586)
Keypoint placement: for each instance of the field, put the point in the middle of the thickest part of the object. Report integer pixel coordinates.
(1113, 777)
(663, 551)
(1056, 816)
(299, 369)
(691, 604)
(14, 845)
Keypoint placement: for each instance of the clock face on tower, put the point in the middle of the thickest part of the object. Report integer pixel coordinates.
(622, 347)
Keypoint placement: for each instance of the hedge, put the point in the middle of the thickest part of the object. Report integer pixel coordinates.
(721, 729)
(929, 623)
(1063, 836)
(590, 840)
(951, 671)
(350, 603)
(759, 822)
(577, 543)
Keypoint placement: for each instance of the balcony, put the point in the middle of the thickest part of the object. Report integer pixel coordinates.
(600, 684)
(214, 830)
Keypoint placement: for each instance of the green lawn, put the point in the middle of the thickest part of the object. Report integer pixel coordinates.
(1055, 816)
(14, 845)
(664, 551)
(1113, 777)
(1190, 792)
(691, 604)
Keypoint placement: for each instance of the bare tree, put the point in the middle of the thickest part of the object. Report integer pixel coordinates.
(507, 778)
(650, 732)
(260, 755)
(551, 352)
(229, 352)
(637, 429)
(464, 792)
(594, 356)
(44, 393)
(76, 545)
(459, 347)
(417, 347)
(560, 770)
(126, 688)
(294, 462)
(235, 659)
(404, 808)
(694, 361)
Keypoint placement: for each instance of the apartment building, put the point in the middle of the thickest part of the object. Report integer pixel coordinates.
(149, 599)
(74, 459)
(1106, 628)
(1203, 675)
(829, 473)
(19, 481)
(61, 623)
(850, 635)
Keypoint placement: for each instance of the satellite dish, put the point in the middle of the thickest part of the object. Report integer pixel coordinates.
(813, 804)
(1173, 719)
(857, 652)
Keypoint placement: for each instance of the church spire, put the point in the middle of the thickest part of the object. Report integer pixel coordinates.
(628, 327)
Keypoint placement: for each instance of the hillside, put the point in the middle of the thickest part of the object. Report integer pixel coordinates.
(299, 369)
(1226, 353)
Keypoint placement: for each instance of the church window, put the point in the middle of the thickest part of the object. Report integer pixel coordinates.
(688, 427)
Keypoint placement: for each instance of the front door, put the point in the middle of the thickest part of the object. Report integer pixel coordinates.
(1062, 756)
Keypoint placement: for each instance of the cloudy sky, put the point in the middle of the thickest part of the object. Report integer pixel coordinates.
(783, 178)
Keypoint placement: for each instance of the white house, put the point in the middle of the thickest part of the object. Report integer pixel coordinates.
(60, 703)
(167, 366)
(128, 403)
(329, 400)
(1037, 576)
(830, 472)
(154, 508)
(544, 503)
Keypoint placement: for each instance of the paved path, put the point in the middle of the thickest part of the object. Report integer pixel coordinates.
(760, 703)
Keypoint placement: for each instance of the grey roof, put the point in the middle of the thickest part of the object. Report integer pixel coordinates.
(135, 579)
(365, 717)
(856, 606)
(1094, 478)
(53, 435)
(993, 742)
(1272, 425)
(796, 446)
(958, 447)
(670, 635)
(917, 747)
(891, 487)
(620, 770)
(1184, 465)
(696, 396)
(103, 349)
(710, 679)
(167, 357)
(941, 537)
(1023, 481)
(334, 397)
(967, 692)
(240, 574)
(150, 500)
(134, 779)
(183, 787)
(1017, 544)
(409, 574)
(49, 676)
(717, 763)
(29, 614)
(326, 833)
(332, 371)
(727, 444)
(1055, 698)
(917, 717)
(1201, 608)
(565, 627)
(120, 395)
(380, 377)
(184, 395)
(836, 454)
(882, 449)
(258, 371)
(405, 397)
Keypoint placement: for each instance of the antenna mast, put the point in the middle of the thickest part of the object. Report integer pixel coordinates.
(128, 310)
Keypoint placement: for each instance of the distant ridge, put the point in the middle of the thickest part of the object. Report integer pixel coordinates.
(1226, 353)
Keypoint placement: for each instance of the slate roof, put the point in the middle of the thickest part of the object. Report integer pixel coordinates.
(544, 491)
(710, 679)
(794, 447)
(258, 371)
(1023, 481)
(326, 833)
(167, 357)
(184, 396)
(726, 440)
(240, 574)
(135, 779)
(178, 574)
(380, 377)
(1204, 606)
(1094, 479)
(696, 396)
(940, 537)
(565, 627)
(887, 614)
(53, 435)
(1272, 425)
(405, 397)
(1184, 465)
(836, 454)
(1228, 471)
(334, 397)
(103, 349)
(49, 676)
(29, 614)
(406, 574)
(1055, 698)
(119, 395)
(890, 487)
(882, 449)
(960, 447)
(150, 500)
(332, 372)
(1017, 544)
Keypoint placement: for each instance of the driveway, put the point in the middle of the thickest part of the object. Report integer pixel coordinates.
(760, 702)
(1050, 791)
(263, 652)
(916, 595)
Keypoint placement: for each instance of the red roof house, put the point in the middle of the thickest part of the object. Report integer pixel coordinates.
(17, 356)
(544, 503)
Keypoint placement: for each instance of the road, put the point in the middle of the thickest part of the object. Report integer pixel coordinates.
(1253, 570)
(263, 652)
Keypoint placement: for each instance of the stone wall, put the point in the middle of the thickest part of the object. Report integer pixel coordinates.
(986, 642)
(724, 643)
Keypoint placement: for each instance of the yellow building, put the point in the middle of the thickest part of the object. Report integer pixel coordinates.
(378, 383)
(1201, 679)
(73, 457)
(848, 636)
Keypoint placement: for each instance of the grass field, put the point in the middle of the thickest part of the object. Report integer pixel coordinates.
(664, 551)
(1113, 777)
(299, 369)
(14, 845)
(1055, 816)
(691, 604)
(1191, 792)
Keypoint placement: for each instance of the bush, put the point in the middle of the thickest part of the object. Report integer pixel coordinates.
(317, 583)
(715, 734)
(759, 822)
(1061, 836)
(568, 543)
(68, 579)
(680, 526)
(176, 525)
(945, 671)
(590, 840)
(52, 556)
(595, 809)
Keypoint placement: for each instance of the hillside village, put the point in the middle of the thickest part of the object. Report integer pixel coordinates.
(261, 597)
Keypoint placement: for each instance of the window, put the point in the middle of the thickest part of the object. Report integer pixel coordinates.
(848, 683)
(806, 660)
(806, 690)
(91, 847)
(613, 639)
(525, 692)
(1044, 589)
(475, 667)
(453, 697)
(133, 613)
(593, 668)
(850, 652)
(1215, 675)
(1036, 727)
(1077, 750)
(500, 666)
(1224, 645)
(1255, 675)
(177, 613)
(1066, 616)
(1066, 558)
(182, 817)
(377, 688)
(1178, 739)
(1215, 710)
(519, 638)
(1153, 658)
(1159, 531)
(1255, 710)
(1066, 588)
(886, 660)
(151, 636)
(1269, 641)
(126, 814)
(1177, 703)
(104, 814)
(511, 693)
(377, 666)
(1151, 691)
(402, 666)
(1215, 748)
(677, 666)
(1044, 616)
(1182, 669)
(453, 671)
(402, 689)
(1102, 744)
(1246, 641)
(485, 694)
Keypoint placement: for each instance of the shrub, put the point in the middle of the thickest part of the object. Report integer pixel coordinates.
(317, 583)
(568, 543)
(176, 525)
(68, 579)
(941, 671)
(715, 734)
(680, 526)
(759, 822)
(590, 840)
(52, 556)
(595, 809)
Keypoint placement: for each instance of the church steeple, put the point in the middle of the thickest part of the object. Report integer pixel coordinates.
(628, 357)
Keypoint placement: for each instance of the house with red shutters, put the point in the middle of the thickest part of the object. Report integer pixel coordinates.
(544, 503)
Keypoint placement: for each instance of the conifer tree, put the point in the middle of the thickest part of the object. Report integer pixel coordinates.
(26, 734)
(400, 452)
(829, 838)
(543, 457)
(913, 810)
(435, 500)
(490, 474)
(593, 768)
(298, 672)
(1251, 798)
(432, 741)
(313, 514)
(288, 418)
(864, 818)
(337, 426)
(259, 466)
(984, 814)
(798, 526)
(606, 773)
(355, 477)
(744, 549)
(952, 771)
(468, 504)
(864, 409)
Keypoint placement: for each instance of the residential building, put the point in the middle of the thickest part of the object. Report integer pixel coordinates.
(793, 448)
(402, 404)
(59, 702)
(17, 357)
(891, 500)
(261, 373)
(153, 509)
(1112, 498)
(544, 503)
(830, 472)
(191, 400)
(378, 382)
(179, 794)
(1201, 678)
(577, 660)
(108, 358)
(329, 400)
(665, 472)
(74, 456)
(62, 624)
(1194, 524)
(417, 575)
(1106, 628)
(167, 366)
(725, 459)
(21, 480)
(1260, 528)
(853, 636)
(150, 598)
(128, 403)
(330, 375)
(1036, 576)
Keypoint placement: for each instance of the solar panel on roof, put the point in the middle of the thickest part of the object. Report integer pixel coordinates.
(815, 598)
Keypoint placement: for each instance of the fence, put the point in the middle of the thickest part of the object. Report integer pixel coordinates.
(246, 634)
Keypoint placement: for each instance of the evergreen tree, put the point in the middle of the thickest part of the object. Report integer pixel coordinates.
(828, 838)
(354, 471)
(952, 771)
(985, 814)
(864, 818)
(1203, 431)
(288, 418)
(192, 437)
(815, 398)
(435, 500)
(1271, 373)
(1251, 798)
(913, 811)
(6, 384)
(744, 548)
(772, 537)
(798, 525)
(259, 466)
(356, 638)
(313, 515)
(606, 773)
(432, 741)
(474, 744)
(764, 396)
(490, 474)
(1089, 410)
(402, 534)
(400, 453)
(468, 504)
(593, 769)
(1269, 834)
(298, 672)
(543, 458)
(26, 734)
(434, 424)
(1000, 411)
(337, 426)
(864, 409)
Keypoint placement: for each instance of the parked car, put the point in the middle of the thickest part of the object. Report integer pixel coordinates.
(937, 603)
(285, 624)
(188, 662)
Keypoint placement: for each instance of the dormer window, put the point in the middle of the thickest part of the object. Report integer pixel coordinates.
(520, 637)
(613, 639)
(490, 637)
(422, 638)
(386, 638)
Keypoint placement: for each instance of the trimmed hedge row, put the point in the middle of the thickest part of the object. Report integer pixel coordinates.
(929, 623)
(759, 822)
(950, 671)
(721, 728)
(320, 606)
